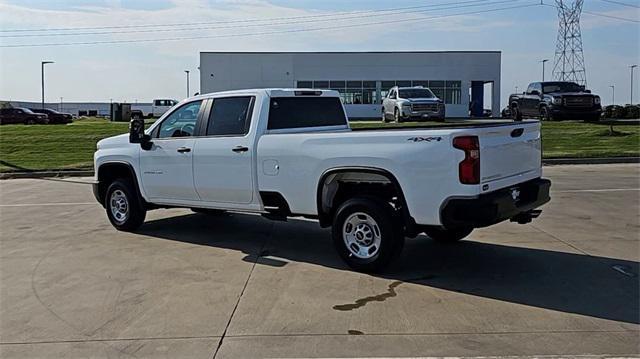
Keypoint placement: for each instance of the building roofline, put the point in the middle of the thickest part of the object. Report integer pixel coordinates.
(350, 52)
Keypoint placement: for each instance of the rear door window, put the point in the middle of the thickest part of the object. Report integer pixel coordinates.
(230, 116)
(298, 112)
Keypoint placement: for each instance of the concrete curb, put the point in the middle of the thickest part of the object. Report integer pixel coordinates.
(548, 162)
(45, 174)
(590, 161)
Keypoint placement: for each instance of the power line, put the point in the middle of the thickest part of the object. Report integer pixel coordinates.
(270, 32)
(473, 3)
(344, 13)
(621, 3)
(611, 16)
(600, 14)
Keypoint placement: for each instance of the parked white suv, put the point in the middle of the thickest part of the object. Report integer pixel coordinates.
(290, 152)
(412, 103)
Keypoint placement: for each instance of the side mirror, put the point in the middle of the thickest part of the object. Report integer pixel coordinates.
(587, 91)
(137, 135)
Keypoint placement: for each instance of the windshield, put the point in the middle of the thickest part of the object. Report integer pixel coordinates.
(549, 87)
(26, 110)
(416, 93)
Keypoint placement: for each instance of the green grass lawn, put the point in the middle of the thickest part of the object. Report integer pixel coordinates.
(39, 147)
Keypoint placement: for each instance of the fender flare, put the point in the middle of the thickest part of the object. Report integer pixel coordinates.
(325, 218)
(101, 191)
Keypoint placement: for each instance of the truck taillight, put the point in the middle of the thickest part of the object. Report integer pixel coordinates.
(469, 168)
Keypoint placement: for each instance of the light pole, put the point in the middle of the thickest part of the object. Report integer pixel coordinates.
(42, 77)
(543, 62)
(60, 109)
(516, 89)
(632, 67)
(187, 72)
(613, 94)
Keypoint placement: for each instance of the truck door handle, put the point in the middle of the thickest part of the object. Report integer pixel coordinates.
(239, 149)
(184, 149)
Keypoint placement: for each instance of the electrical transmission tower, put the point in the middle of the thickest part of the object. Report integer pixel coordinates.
(569, 58)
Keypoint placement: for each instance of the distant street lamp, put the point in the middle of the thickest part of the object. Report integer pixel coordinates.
(60, 109)
(543, 62)
(632, 67)
(187, 72)
(613, 94)
(516, 89)
(42, 77)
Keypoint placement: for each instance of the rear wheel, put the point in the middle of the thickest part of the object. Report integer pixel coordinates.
(29, 121)
(123, 206)
(441, 234)
(366, 234)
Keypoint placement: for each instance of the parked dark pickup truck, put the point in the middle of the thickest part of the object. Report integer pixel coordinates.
(54, 116)
(555, 101)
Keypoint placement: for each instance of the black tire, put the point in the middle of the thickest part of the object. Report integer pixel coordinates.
(209, 211)
(29, 121)
(135, 213)
(515, 114)
(396, 116)
(448, 235)
(545, 115)
(386, 225)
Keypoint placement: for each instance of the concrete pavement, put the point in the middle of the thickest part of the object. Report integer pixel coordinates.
(194, 286)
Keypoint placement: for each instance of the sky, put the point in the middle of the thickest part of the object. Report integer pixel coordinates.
(141, 71)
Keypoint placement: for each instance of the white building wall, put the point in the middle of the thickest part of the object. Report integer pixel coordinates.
(220, 71)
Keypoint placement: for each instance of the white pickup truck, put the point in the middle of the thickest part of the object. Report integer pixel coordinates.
(290, 152)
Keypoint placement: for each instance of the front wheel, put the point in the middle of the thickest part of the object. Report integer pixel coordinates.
(545, 115)
(516, 114)
(123, 206)
(366, 234)
(396, 116)
(448, 235)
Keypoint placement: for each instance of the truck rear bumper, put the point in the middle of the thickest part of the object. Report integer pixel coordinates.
(497, 206)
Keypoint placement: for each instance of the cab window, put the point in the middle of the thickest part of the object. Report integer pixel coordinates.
(181, 122)
(230, 116)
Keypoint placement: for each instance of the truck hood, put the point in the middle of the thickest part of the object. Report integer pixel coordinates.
(115, 141)
(423, 100)
(557, 94)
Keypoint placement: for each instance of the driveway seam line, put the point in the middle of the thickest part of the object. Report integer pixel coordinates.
(244, 287)
(560, 240)
(435, 334)
(104, 340)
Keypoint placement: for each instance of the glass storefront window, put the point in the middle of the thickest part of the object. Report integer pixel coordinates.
(364, 91)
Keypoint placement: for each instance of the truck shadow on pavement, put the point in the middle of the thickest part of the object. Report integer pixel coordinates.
(599, 287)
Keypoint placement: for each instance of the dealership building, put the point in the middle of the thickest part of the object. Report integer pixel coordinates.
(460, 78)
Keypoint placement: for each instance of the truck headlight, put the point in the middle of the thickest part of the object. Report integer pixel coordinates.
(557, 100)
(596, 100)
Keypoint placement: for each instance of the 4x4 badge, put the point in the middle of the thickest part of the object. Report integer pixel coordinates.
(425, 139)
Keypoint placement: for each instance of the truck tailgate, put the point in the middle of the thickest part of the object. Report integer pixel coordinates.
(508, 151)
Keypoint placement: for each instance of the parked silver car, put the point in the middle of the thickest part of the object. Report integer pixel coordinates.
(407, 103)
